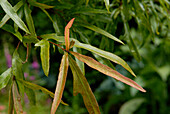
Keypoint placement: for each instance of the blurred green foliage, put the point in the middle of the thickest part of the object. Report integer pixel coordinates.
(144, 27)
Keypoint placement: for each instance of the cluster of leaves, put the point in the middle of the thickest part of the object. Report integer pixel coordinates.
(60, 13)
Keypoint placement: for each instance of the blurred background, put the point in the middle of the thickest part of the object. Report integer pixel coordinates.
(147, 52)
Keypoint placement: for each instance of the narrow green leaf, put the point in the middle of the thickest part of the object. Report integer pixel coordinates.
(66, 33)
(79, 63)
(101, 31)
(11, 30)
(40, 5)
(106, 70)
(4, 78)
(80, 85)
(13, 15)
(45, 55)
(17, 99)
(107, 4)
(17, 70)
(29, 21)
(37, 87)
(131, 106)
(102, 53)
(60, 83)
(31, 96)
(11, 102)
(6, 17)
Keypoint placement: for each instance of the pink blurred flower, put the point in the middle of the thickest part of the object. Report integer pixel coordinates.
(35, 65)
(25, 74)
(32, 78)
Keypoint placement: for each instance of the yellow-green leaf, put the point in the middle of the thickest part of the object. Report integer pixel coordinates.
(107, 4)
(45, 55)
(102, 53)
(6, 6)
(37, 87)
(17, 99)
(60, 83)
(6, 17)
(66, 33)
(40, 5)
(101, 31)
(4, 78)
(29, 21)
(80, 85)
(17, 70)
(107, 70)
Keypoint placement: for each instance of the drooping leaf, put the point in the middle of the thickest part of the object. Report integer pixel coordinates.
(11, 102)
(101, 31)
(66, 33)
(40, 5)
(45, 55)
(4, 78)
(79, 63)
(93, 49)
(104, 54)
(29, 21)
(6, 17)
(37, 87)
(106, 70)
(107, 4)
(131, 106)
(31, 95)
(13, 15)
(17, 70)
(11, 30)
(60, 83)
(80, 85)
(17, 99)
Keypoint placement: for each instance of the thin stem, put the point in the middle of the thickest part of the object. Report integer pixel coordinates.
(27, 54)
(18, 45)
(53, 43)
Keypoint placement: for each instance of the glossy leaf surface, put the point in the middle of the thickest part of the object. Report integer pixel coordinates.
(60, 83)
(13, 15)
(17, 70)
(66, 33)
(37, 87)
(40, 5)
(80, 85)
(6, 17)
(101, 31)
(107, 70)
(45, 55)
(4, 78)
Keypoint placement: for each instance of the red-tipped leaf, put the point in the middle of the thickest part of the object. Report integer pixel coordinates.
(67, 42)
(106, 70)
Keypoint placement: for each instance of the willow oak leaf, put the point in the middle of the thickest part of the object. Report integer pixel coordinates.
(106, 70)
(60, 83)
